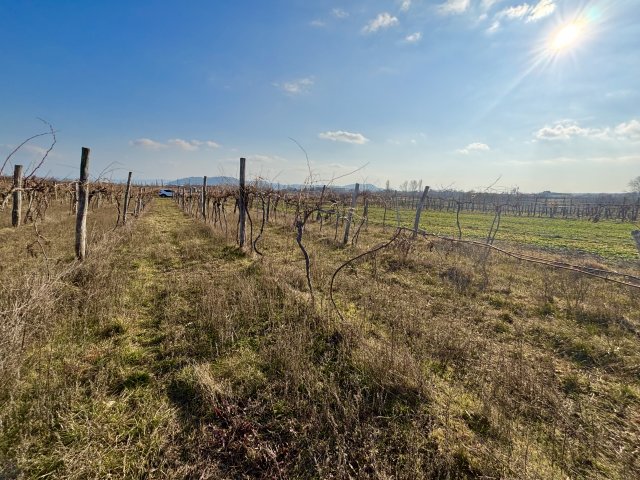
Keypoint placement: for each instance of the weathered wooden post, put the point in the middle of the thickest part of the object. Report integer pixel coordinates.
(636, 236)
(83, 203)
(204, 198)
(354, 200)
(365, 215)
(139, 204)
(76, 192)
(416, 223)
(127, 192)
(242, 205)
(384, 216)
(16, 211)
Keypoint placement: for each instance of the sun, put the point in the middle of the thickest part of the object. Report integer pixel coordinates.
(566, 37)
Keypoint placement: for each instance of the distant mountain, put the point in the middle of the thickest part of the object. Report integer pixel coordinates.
(369, 187)
(211, 181)
(197, 181)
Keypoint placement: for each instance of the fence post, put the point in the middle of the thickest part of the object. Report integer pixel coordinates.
(242, 205)
(416, 223)
(16, 212)
(126, 199)
(76, 193)
(636, 236)
(204, 198)
(83, 203)
(354, 200)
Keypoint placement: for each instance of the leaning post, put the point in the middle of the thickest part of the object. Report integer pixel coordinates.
(416, 223)
(126, 200)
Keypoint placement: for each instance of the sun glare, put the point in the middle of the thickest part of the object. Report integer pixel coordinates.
(566, 37)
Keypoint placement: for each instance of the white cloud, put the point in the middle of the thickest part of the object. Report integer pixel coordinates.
(474, 147)
(524, 11)
(147, 143)
(296, 87)
(183, 144)
(187, 145)
(629, 130)
(405, 5)
(544, 8)
(382, 21)
(495, 26)
(414, 37)
(515, 12)
(564, 130)
(454, 7)
(266, 159)
(342, 136)
(568, 129)
(317, 23)
(339, 13)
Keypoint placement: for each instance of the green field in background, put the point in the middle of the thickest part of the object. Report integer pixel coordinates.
(608, 239)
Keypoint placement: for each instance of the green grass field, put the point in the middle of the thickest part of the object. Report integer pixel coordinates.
(607, 239)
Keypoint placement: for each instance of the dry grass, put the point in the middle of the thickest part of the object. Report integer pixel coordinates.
(180, 357)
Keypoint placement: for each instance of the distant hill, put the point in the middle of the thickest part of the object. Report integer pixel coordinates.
(198, 181)
(369, 187)
(221, 180)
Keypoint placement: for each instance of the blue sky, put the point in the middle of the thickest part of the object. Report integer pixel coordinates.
(455, 93)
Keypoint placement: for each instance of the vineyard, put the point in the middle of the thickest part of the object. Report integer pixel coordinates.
(243, 331)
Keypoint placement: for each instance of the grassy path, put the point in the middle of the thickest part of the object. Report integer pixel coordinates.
(112, 407)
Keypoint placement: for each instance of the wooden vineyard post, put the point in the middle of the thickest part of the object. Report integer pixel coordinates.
(204, 198)
(16, 211)
(242, 205)
(83, 203)
(139, 202)
(127, 192)
(384, 217)
(416, 223)
(365, 215)
(76, 187)
(354, 200)
(636, 236)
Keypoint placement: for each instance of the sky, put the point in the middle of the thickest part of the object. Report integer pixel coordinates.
(537, 94)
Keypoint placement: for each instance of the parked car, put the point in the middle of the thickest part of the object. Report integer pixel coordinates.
(166, 193)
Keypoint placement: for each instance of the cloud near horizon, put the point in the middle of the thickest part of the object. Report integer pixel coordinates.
(569, 129)
(474, 147)
(186, 145)
(342, 136)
